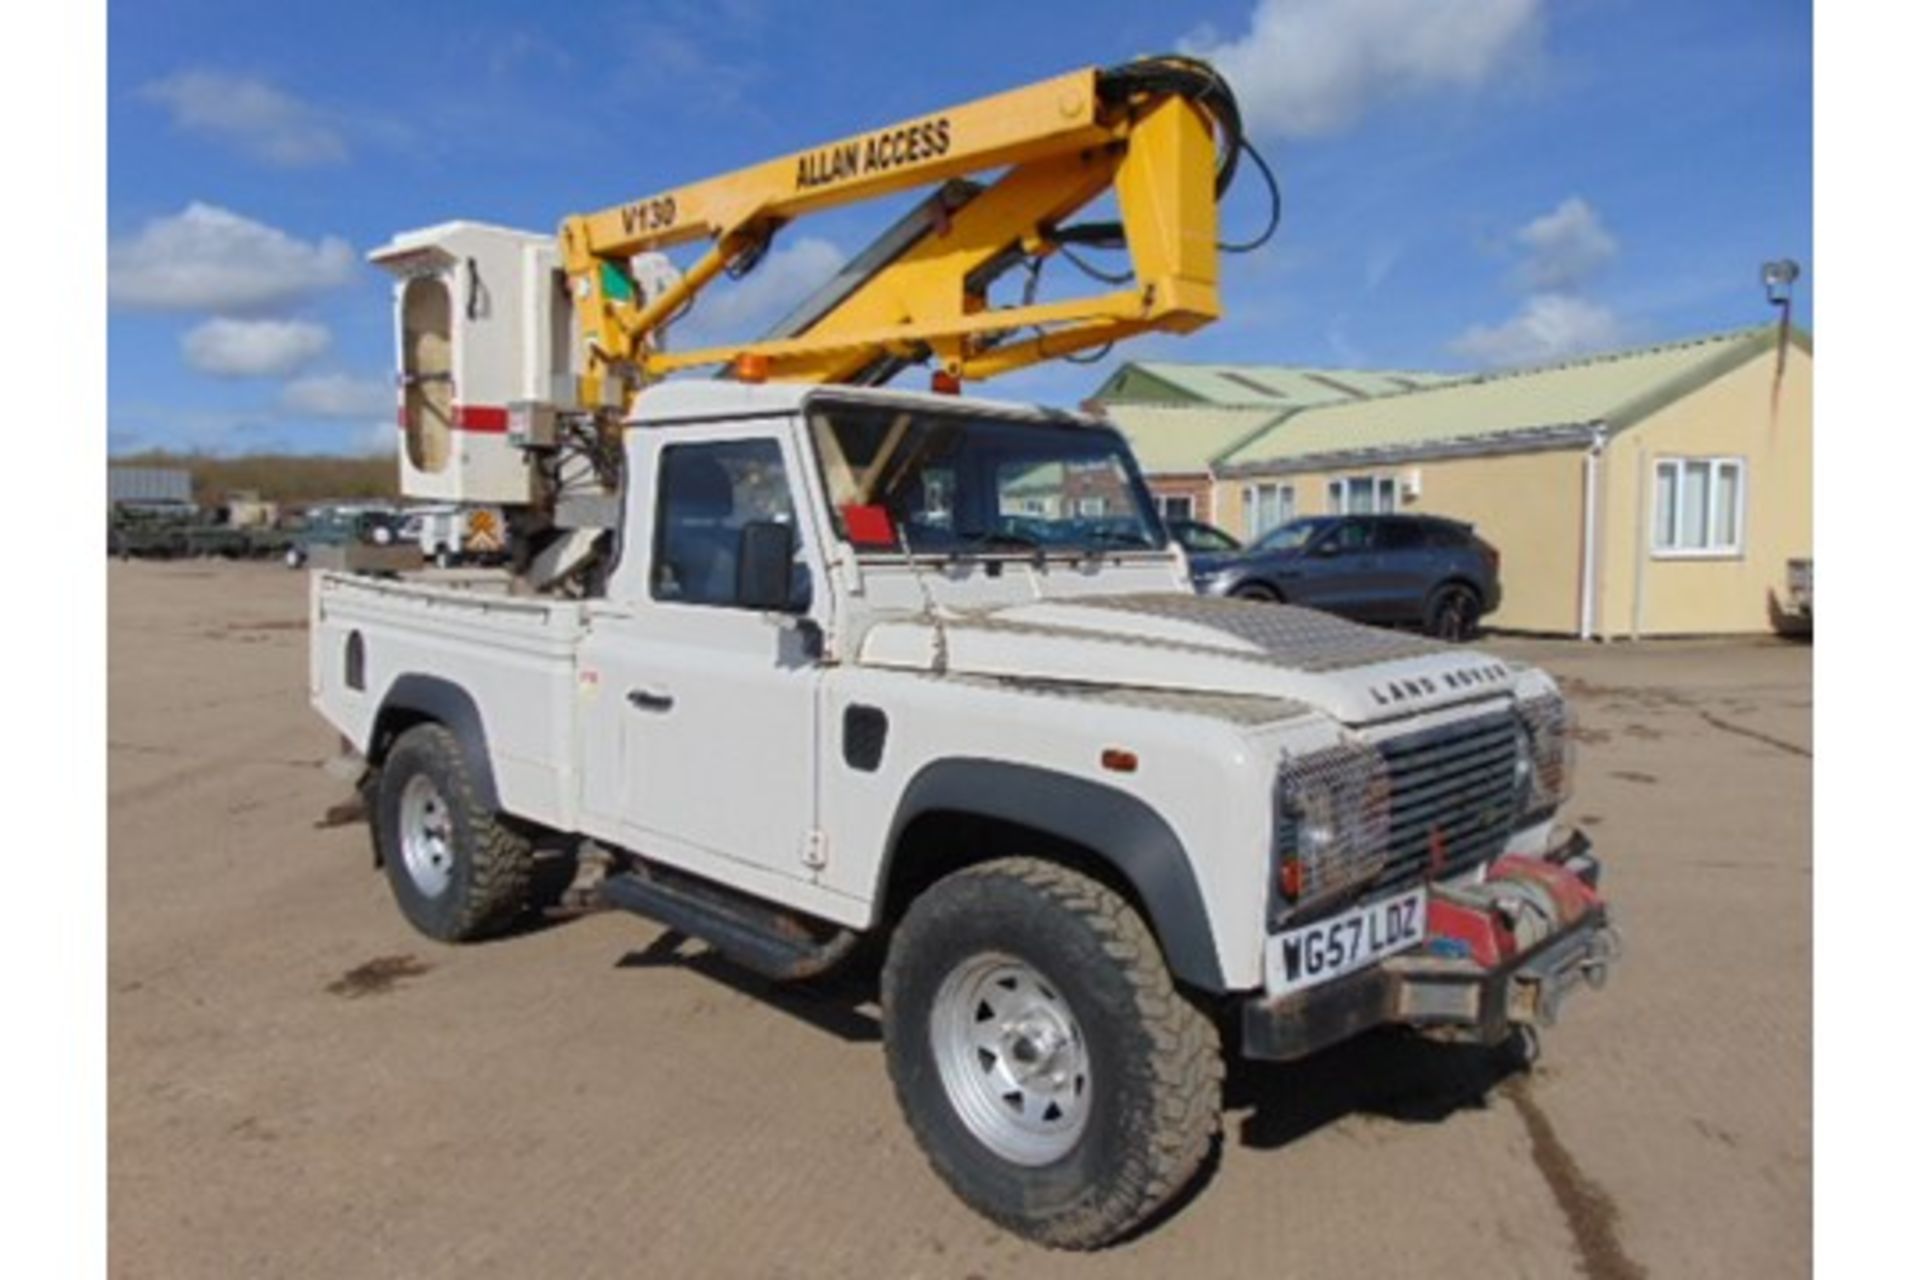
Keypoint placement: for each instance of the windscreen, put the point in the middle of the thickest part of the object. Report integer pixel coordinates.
(936, 482)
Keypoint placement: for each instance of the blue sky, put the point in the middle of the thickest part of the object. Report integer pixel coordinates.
(1469, 183)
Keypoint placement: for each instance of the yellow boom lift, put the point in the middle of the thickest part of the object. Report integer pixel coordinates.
(521, 354)
(1163, 134)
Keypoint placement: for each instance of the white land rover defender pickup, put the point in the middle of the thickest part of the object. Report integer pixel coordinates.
(927, 671)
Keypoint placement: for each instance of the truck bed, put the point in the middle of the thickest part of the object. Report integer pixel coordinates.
(512, 657)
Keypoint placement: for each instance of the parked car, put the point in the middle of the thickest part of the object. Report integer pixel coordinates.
(1407, 570)
(338, 526)
(449, 534)
(1201, 538)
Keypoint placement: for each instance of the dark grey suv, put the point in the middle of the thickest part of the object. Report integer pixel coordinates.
(1420, 570)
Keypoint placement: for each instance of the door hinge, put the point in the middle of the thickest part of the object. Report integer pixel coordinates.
(813, 850)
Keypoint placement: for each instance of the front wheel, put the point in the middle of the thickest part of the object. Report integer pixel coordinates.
(1257, 592)
(1052, 1073)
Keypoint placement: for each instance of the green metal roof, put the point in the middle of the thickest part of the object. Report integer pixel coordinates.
(1175, 439)
(1269, 386)
(1539, 405)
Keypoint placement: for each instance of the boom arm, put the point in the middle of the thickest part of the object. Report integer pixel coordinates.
(1163, 134)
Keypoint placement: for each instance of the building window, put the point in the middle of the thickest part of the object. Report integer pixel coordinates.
(1360, 495)
(1268, 507)
(1699, 506)
(1174, 506)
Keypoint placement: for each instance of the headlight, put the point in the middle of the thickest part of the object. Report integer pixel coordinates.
(1522, 765)
(1546, 721)
(1329, 824)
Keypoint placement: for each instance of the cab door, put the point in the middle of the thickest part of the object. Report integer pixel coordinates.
(719, 703)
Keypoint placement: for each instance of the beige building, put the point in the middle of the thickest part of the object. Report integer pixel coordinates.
(1180, 417)
(1653, 492)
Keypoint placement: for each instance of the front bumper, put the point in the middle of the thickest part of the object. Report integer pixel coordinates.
(1445, 996)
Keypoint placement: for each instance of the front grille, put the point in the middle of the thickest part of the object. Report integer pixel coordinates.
(1455, 797)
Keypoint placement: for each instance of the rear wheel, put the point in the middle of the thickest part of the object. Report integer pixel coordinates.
(1453, 613)
(458, 870)
(1052, 1073)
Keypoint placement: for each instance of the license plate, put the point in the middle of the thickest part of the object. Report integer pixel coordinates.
(1326, 949)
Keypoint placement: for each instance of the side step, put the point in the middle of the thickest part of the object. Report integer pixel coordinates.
(770, 941)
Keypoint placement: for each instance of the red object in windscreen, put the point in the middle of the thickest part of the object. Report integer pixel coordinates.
(867, 526)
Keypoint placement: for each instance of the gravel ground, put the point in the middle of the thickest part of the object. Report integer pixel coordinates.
(301, 1086)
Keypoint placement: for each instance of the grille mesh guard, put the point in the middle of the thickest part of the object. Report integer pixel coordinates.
(1455, 797)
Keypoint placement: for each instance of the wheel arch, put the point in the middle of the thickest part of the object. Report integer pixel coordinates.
(959, 811)
(414, 699)
(1254, 582)
(1454, 578)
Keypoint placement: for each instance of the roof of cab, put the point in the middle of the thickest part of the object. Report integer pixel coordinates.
(682, 400)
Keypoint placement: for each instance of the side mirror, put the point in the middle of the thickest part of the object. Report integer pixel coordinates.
(765, 578)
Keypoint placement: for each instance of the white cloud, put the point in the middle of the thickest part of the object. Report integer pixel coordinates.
(744, 309)
(1564, 248)
(253, 348)
(206, 258)
(1561, 250)
(1306, 68)
(247, 112)
(337, 395)
(1549, 326)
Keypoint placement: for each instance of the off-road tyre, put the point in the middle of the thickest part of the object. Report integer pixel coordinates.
(1153, 1058)
(490, 877)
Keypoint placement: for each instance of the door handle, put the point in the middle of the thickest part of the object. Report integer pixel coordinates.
(649, 700)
